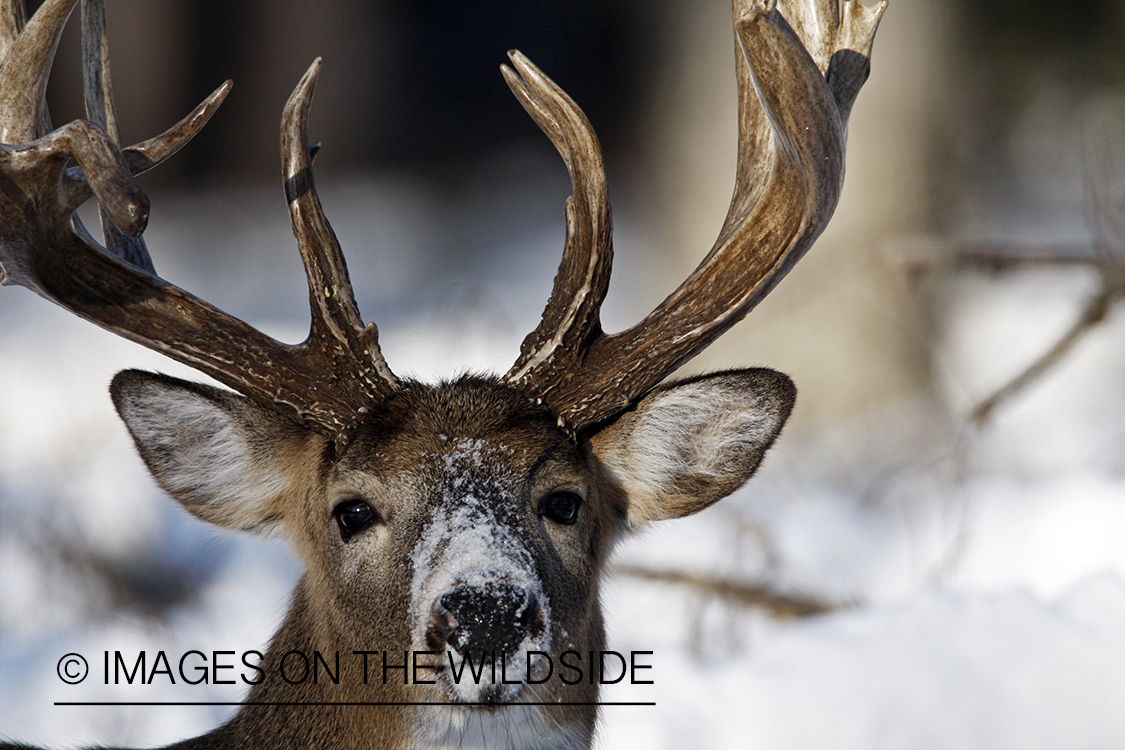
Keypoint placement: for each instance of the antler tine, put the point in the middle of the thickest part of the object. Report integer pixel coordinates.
(44, 248)
(571, 317)
(12, 20)
(792, 128)
(336, 325)
(25, 69)
(97, 87)
(98, 94)
(26, 54)
(143, 156)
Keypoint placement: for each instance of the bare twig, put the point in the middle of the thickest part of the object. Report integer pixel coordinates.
(924, 255)
(1094, 313)
(1105, 254)
(780, 605)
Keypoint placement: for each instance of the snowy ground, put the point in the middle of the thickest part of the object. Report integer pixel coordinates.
(991, 573)
(987, 568)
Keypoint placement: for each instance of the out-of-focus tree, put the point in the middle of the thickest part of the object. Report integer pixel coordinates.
(406, 84)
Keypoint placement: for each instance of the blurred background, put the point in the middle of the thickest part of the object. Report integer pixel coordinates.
(949, 495)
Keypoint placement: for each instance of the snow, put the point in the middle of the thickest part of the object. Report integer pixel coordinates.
(465, 542)
(984, 569)
(990, 582)
(937, 670)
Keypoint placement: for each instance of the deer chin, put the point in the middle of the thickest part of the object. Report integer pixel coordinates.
(509, 727)
(492, 679)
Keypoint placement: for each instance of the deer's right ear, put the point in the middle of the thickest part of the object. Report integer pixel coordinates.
(227, 460)
(689, 444)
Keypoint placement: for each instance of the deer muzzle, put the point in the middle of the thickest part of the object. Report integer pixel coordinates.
(480, 620)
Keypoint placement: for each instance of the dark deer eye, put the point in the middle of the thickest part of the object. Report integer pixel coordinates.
(353, 516)
(562, 507)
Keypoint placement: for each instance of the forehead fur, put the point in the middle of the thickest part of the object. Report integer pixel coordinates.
(422, 418)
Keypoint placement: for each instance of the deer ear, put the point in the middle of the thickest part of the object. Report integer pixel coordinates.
(689, 444)
(225, 459)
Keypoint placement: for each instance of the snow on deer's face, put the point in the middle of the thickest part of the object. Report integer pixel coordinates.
(476, 591)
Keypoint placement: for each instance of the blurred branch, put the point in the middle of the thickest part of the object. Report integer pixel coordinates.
(1105, 255)
(145, 584)
(780, 605)
(142, 580)
(927, 255)
(1094, 313)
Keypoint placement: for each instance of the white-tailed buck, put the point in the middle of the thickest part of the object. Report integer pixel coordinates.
(460, 528)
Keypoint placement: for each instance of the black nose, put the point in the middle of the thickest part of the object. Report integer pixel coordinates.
(494, 618)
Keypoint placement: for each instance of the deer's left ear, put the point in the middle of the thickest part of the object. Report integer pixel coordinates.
(689, 444)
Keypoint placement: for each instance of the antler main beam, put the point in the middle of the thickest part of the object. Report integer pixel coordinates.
(324, 383)
(798, 75)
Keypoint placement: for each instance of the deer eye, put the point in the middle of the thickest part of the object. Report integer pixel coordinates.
(562, 507)
(353, 516)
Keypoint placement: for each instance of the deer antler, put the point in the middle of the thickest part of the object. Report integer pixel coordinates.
(324, 383)
(793, 108)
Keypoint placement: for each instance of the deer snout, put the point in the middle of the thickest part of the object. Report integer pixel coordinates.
(494, 618)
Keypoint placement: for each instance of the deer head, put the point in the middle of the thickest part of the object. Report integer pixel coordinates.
(464, 523)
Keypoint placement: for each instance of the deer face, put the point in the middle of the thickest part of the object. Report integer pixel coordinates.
(461, 522)
(482, 516)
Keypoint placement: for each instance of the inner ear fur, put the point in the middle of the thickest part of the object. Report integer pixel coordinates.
(227, 460)
(690, 443)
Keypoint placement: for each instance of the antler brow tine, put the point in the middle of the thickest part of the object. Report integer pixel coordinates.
(336, 325)
(572, 313)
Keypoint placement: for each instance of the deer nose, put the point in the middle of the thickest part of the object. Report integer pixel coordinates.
(494, 618)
